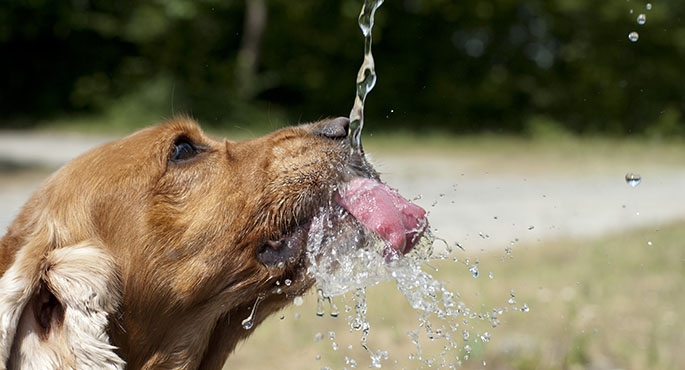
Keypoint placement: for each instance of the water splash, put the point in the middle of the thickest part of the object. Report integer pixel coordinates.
(366, 77)
(348, 260)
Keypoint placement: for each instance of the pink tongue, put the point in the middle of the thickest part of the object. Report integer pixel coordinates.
(382, 210)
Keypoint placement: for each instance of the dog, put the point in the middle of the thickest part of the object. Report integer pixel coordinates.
(150, 251)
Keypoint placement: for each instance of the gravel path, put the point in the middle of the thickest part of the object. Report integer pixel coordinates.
(479, 208)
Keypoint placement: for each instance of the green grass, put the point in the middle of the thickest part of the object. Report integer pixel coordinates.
(610, 303)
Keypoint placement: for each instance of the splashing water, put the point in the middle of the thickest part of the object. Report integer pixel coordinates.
(341, 267)
(366, 78)
(348, 261)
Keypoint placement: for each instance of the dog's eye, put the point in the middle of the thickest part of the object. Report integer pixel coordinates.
(183, 150)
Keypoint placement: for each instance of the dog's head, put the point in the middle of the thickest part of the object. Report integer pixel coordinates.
(178, 236)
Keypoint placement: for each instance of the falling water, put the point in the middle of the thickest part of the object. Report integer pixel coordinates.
(641, 20)
(248, 323)
(366, 78)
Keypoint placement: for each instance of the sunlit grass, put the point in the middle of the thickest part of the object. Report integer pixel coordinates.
(610, 303)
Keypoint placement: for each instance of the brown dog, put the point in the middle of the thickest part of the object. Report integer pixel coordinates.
(150, 251)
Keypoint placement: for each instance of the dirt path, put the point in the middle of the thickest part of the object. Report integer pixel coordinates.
(480, 206)
(482, 209)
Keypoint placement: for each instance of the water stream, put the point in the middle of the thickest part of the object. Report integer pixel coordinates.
(366, 77)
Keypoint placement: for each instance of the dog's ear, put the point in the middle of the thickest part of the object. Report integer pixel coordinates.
(55, 307)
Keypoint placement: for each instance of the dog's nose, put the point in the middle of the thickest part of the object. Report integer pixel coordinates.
(334, 129)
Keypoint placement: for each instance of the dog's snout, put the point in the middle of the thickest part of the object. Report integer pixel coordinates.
(334, 129)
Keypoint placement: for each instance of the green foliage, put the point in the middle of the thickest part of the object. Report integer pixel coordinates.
(467, 66)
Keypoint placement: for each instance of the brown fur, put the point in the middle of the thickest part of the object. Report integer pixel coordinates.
(183, 240)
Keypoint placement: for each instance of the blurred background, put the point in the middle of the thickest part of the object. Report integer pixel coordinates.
(516, 124)
(454, 66)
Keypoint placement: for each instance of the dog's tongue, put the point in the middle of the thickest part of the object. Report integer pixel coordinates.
(382, 210)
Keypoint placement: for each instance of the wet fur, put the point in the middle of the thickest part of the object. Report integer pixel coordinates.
(125, 258)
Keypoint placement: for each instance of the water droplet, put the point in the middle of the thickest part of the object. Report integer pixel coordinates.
(335, 312)
(633, 36)
(248, 323)
(641, 19)
(525, 308)
(485, 337)
(318, 337)
(633, 179)
(648, 6)
(319, 303)
(512, 298)
(490, 275)
(474, 270)
(465, 333)
(649, 243)
(351, 362)
(288, 282)
(298, 301)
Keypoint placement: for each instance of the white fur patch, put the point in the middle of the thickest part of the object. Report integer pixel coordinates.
(83, 279)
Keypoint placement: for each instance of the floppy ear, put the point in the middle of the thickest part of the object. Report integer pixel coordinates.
(55, 308)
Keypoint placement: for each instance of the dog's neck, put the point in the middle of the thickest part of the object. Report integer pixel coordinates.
(194, 339)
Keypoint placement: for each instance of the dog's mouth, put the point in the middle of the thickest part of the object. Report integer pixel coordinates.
(288, 250)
